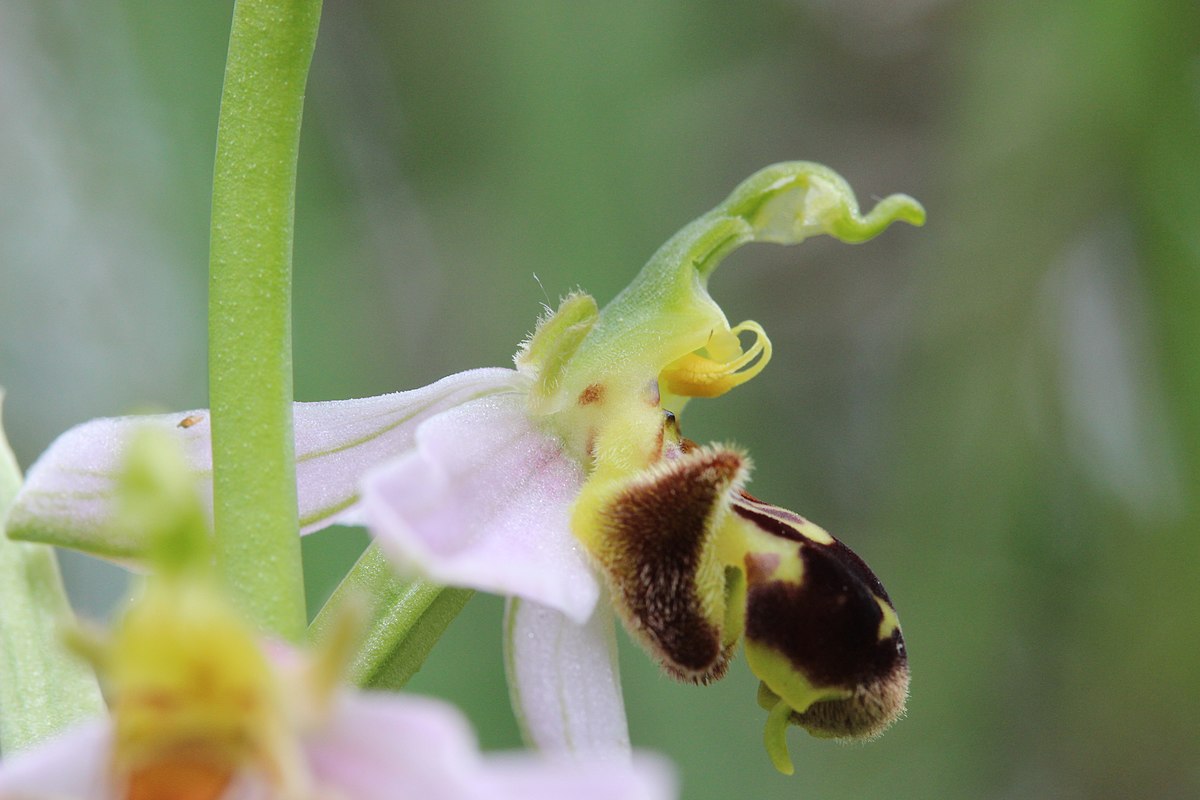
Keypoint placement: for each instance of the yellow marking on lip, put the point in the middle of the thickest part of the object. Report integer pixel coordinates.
(890, 622)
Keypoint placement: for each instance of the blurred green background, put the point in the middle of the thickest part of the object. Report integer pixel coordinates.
(1000, 412)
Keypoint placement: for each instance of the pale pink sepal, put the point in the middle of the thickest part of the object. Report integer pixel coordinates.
(483, 502)
(338, 441)
(564, 680)
(67, 496)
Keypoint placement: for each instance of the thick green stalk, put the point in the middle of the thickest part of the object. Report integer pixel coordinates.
(43, 688)
(250, 350)
(406, 619)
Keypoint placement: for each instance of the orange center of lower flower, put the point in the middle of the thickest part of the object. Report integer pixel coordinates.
(184, 776)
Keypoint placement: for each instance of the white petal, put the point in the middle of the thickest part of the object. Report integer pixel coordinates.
(564, 680)
(67, 496)
(380, 746)
(73, 765)
(483, 502)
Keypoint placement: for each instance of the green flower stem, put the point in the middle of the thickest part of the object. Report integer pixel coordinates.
(250, 352)
(43, 688)
(405, 622)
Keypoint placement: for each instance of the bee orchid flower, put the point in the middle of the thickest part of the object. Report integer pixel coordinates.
(567, 485)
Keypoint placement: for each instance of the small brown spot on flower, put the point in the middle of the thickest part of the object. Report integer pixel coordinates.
(204, 679)
(153, 700)
(190, 420)
(594, 393)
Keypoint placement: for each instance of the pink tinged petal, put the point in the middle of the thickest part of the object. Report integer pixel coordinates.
(482, 502)
(564, 680)
(67, 496)
(75, 765)
(337, 442)
(380, 746)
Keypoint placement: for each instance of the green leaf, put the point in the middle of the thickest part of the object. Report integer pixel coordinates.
(44, 689)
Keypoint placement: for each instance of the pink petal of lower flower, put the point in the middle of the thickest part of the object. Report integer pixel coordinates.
(75, 765)
(380, 746)
(564, 681)
(483, 502)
